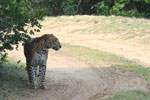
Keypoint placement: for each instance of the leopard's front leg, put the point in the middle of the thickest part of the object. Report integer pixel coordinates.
(42, 71)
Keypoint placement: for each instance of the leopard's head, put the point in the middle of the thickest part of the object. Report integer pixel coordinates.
(52, 42)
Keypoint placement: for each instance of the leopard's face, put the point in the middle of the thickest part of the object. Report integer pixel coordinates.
(53, 43)
(56, 44)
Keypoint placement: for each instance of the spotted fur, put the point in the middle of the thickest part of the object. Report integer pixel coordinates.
(36, 53)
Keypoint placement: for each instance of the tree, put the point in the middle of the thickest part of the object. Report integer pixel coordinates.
(15, 15)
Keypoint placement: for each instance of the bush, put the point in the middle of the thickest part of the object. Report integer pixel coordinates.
(13, 80)
(14, 16)
(72, 7)
(137, 8)
(53, 7)
(63, 7)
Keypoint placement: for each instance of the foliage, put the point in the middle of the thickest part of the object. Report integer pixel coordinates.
(137, 8)
(131, 95)
(15, 15)
(53, 7)
(69, 7)
(72, 7)
(13, 80)
(63, 7)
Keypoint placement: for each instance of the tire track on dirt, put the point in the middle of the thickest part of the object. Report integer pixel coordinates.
(117, 79)
(86, 83)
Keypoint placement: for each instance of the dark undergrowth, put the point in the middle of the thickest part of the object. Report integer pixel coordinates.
(13, 80)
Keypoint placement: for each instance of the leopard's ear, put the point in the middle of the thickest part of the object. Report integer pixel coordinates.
(52, 34)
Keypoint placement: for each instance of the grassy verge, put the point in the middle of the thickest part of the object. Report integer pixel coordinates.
(97, 57)
(131, 95)
(104, 59)
(114, 27)
(13, 80)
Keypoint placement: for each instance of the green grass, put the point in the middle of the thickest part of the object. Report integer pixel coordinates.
(104, 59)
(139, 70)
(13, 80)
(92, 54)
(131, 95)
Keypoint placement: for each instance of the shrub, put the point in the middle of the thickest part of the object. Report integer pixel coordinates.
(14, 16)
(137, 8)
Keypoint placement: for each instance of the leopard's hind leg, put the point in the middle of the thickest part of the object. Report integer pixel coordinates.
(32, 71)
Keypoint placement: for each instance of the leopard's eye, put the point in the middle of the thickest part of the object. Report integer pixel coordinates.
(55, 40)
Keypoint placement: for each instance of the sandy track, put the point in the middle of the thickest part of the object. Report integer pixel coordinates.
(84, 84)
(68, 78)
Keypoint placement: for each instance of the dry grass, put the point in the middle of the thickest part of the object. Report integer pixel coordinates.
(114, 27)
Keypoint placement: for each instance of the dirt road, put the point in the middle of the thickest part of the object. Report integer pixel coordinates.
(68, 78)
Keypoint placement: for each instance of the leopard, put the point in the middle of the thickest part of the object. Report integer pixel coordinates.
(36, 54)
